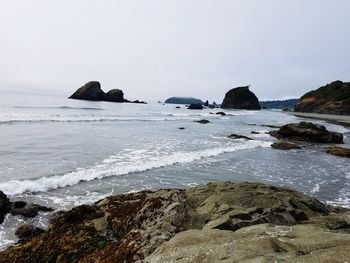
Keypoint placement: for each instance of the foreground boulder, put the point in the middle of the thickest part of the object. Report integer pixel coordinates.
(241, 98)
(338, 151)
(202, 224)
(333, 98)
(307, 131)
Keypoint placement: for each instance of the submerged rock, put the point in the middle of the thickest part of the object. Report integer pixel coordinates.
(203, 121)
(241, 98)
(338, 151)
(238, 136)
(307, 131)
(261, 222)
(221, 113)
(280, 145)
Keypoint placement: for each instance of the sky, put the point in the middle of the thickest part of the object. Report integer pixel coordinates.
(154, 49)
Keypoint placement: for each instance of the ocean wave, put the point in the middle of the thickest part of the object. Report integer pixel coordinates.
(58, 107)
(118, 166)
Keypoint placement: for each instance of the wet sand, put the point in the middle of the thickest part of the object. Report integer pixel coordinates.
(337, 119)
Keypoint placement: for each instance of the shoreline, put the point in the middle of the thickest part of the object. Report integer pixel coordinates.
(343, 120)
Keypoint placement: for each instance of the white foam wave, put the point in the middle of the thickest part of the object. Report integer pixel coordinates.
(121, 165)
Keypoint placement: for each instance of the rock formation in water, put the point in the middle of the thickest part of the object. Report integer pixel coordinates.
(338, 151)
(240, 98)
(333, 98)
(92, 91)
(307, 131)
(197, 106)
(183, 100)
(218, 222)
(281, 145)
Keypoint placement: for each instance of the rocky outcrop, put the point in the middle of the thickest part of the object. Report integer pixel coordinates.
(281, 145)
(241, 98)
(195, 107)
(92, 91)
(338, 151)
(202, 224)
(26, 232)
(115, 95)
(307, 131)
(334, 98)
(19, 208)
(183, 100)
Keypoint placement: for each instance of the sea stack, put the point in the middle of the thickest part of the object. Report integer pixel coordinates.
(90, 91)
(241, 98)
(333, 98)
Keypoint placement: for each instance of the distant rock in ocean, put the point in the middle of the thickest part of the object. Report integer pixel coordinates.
(334, 98)
(241, 98)
(92, 91)
(195, 106)
(183, 100)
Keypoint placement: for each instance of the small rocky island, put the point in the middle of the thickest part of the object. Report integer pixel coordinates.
(226, 222)
(92, 91)
(333, 98)
(183, 100)
(241, 98)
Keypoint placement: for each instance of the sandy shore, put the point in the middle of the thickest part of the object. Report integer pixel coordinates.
(338, 119)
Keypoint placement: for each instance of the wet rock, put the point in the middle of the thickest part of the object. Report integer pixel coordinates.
(221, 113)
(281, 145)
(27, 232)
(196, 106)
(178, 107)
(338, 151)
(90, 91)
(28, 209)
(254, 132)
(203, 121)
(307, 131)
(181, 128)
(238, 136)
(4, 206)
(114, 95)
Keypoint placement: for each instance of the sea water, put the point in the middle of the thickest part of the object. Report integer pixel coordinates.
(61, 153)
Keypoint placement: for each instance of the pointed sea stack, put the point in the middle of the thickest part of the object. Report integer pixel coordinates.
(241, 98)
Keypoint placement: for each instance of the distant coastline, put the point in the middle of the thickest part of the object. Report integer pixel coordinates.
(336, 119)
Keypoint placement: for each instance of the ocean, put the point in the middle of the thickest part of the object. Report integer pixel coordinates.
(61, 153)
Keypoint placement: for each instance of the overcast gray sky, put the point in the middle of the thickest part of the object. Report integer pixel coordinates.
(154, 49)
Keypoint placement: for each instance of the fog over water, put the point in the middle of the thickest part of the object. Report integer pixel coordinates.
(157, 49)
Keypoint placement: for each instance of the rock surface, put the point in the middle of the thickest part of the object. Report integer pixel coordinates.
(114, 95)
(203, 121)
(307, 131)
(334, 98)
(241, 98)
(281, 145)
(202, 224)
(183, 100)
(238, 136)
(27, 232)
(338, 151)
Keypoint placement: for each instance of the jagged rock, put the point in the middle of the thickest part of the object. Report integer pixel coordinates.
(203, 121)
(90, 91)
(280, 145)
(334, 98)
(27, 232)
(114, 95)
(27, 209)
(206, 104)
(241, 98)
(195, 107)
(264, 223)
(307, 131)
(238, 136)
(338, 151)
(4, 206)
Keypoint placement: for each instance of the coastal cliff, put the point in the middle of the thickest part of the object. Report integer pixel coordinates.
(225, 222)
(241, 98)
(333, 98)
